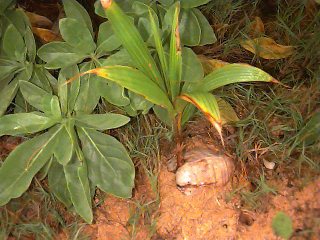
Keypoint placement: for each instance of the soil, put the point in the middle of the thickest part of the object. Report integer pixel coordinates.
(208, 212)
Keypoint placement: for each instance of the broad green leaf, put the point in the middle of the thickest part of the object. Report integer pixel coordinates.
(7, 94)
(193, 3)
(192, 70)
(207, 34)
(227, 112)
(89, 93)
(40, 99)
(75, 10)
(16, 51)
(22, 164)
(40, 78)
(78, 185)
(9, 67)
(64, 148)
(101, 121)
(121, 57)
(77, 35)
(58, 184)
(135, 81)
(24, 123)
(233, 73)
(114, 93)
(208, 105)
(131, 39)
(18, 18)
(107, 41)
(60, 54)
(4, 4)
(30, 44)
(36, 96)
(175, 61)
(110, 167)
(282, 225)
(190, 28)
(68, 93)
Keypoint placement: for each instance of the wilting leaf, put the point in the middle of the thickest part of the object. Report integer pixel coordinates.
(209, 65)
(46, 35)
(37, 20)
(206, 103)
(267, 48)
(282, 225)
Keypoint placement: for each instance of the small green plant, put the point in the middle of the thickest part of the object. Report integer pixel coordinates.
(74, 154)
(282, 225)
(161, 79)
(18, 58)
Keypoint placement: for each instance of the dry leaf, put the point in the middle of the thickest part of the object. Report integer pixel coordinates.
(267, 48)
(256, 27)
(38, 20)
(46, 35)
(210, 65)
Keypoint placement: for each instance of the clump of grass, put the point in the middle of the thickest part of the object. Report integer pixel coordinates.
(142, 139)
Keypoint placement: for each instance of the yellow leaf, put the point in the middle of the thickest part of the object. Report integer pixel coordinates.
(267, 48)
(210, 65)
(46, 35)
(227, 112)
(256, 27)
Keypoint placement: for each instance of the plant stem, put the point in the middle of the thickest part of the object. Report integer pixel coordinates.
(178, 139)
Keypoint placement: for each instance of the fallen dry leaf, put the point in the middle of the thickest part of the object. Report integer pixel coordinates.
(267, 48)
(256, 27)
(38, 20)
(46, 35)
(210, 65)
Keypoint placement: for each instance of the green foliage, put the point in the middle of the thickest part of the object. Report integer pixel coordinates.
(18, 60)
(79, 44)
(282, 225)
(194, 27)
(159, 78)
(73, 153)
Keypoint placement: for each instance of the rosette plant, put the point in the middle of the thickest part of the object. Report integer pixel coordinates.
(73, 151)
(17, 57)
(159, 77)
(194, 28)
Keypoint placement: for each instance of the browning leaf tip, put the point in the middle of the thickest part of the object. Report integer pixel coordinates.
(106, 3)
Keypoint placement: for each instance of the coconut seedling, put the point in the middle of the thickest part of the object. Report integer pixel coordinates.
(159, 77)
